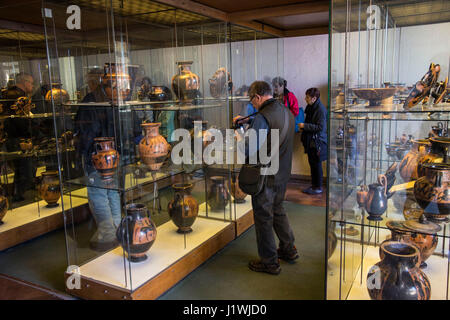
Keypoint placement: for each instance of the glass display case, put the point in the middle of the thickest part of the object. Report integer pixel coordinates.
(30, 195)
(153, 97)
(388, 232)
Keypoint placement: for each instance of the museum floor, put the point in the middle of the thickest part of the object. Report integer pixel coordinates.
(227, 270)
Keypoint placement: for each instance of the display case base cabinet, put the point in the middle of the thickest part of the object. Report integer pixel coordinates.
(23, 224)
(244, 223)
(164, 280)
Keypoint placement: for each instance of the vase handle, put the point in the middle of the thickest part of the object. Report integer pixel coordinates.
(383, 181)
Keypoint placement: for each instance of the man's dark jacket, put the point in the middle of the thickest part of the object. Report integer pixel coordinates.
(315, 123)
(274, 113)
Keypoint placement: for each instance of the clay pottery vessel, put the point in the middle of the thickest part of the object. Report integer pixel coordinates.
(183, 209)
(432, 191)
(408, 167)
(23, 106)
(397, 276)
(415, 232)
(236, 192)
(411, 209)
(220, 83)
(185, 84)
(105, 158)
(332, 243)
(376, 202)
(376, 96)
(361, 195)
(49, 188)
(422, 88)
(136, 232)
(116, 81)
(59, 95)
(439, 153)
(218, 196)
(153, 148)
(160, 93)
(25, 144)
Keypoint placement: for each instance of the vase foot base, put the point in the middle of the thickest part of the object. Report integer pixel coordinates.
(138, 258)
(184, 231)
(52, 205)
(374, 218)
(423, 265)
(239, 201)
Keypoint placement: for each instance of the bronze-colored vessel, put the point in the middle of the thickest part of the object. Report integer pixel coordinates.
(153, 148)
(432, 191)
(49, 189)
(408, 167)
(186, 84)
(220, 83)
(183, 209)
(376, 96)
(439, 153)
(422, 88)
(116, 82)
(59, 95)
(420, 233)
(218, 197)
(136, 232)
(397, 276)
(105, 158)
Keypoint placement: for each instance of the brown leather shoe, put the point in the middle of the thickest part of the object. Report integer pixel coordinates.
(288, 256)
(258, 266)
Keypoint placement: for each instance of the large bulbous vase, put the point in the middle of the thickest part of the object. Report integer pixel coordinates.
(398, 276)
(183, 209)
(105, 158)
(414, 233)
(153, 148)
(220, 83)
(439, 153)
(136, 232)
(408, 167)
(218, 196)
(432, 191)
(57, 94)
(185, 84)
(49, 188)
(116, 82)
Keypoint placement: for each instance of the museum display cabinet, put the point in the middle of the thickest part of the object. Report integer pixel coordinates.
(140, 81)
(388, 231)
(30, 197)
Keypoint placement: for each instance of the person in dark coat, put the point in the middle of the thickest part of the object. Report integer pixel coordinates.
(314, 138)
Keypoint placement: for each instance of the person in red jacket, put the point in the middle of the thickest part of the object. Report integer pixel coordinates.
(288, 98)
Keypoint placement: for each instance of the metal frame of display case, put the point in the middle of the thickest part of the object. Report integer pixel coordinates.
(357, 152)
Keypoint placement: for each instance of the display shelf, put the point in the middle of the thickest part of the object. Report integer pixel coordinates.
(392, 109)
(5, 156)
(27, 222)
(125, 180)
(38, 115)
(143, 106)
(170, 259)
